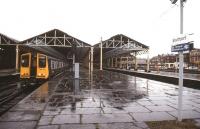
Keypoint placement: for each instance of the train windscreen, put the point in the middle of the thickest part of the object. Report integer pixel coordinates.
(42, 61)
(25, 61)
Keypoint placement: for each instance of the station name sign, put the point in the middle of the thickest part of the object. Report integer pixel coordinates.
(182, 43)
(180, 39)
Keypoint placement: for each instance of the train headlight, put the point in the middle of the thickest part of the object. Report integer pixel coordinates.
(41, 74)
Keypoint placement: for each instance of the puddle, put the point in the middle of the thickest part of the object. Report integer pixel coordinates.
(108, 87)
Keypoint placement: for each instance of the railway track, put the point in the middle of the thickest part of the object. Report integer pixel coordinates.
(12, 93)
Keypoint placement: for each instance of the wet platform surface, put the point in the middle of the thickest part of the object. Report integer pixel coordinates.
(105, 100)
(176, 74)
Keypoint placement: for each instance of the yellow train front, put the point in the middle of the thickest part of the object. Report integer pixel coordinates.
(37, 66)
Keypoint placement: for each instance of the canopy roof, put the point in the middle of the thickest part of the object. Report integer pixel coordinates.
(55, 37)
(120, 45)
(61, 45)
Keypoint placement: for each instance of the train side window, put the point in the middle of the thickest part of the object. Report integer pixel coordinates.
(52, 65)
(42, 61)
(25, 61)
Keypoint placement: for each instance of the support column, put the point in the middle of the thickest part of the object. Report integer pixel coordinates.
(176, 66)
(101, 55)
(73, 62)
(116, 62)
(91, 59)
(148, 61)
(89, 62)
(135, 61)
(126, 62)
(17, 58)
(107, 62)
(73, 58)
(120, 62)
(112, 62)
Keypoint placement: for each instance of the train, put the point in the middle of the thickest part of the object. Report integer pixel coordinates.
(38, 66)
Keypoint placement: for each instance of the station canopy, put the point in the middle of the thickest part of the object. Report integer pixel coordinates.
(61, 45)
(58, 44)
(120, 45)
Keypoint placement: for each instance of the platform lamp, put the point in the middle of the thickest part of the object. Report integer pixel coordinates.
(180, 62)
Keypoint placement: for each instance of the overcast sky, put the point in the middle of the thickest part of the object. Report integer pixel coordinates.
(151, 22)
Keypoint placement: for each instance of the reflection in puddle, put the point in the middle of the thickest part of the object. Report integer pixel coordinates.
(76, 86)
(105, 88)
(41, 94)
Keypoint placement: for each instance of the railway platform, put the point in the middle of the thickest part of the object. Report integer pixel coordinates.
(190, 80)
(103, 100)
(8, 75)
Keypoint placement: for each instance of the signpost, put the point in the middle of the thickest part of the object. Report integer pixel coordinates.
(180, 48)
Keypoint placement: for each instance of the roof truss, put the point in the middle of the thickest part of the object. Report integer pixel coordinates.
(55, 38)
(120, 45)
(5, 40)
(125, 49)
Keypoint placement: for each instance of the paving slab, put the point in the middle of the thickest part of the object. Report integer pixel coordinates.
(49, 127)
(145, 103)
(28, 106)
(184, 107)
(85, 105)
(18, 125)
(187, 114)
(51, 112)
(133, 104)
(197, 106)
(20, 116)
(118, 126)
(45, 120)
(64, 119)
(142, 125)
(136, 109)
(161, 102)
(82, 111)
(160, 108)
(114, 110)
(159, 98)
(197, 109)
(152, 116)
(78, 126)
(106, 118)
(196, 100)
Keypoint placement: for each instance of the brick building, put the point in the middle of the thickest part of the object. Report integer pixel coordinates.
(164, 61)
(195, 58)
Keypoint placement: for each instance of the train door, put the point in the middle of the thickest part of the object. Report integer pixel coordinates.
(42, 66)
(25, 65)
(33, 65)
